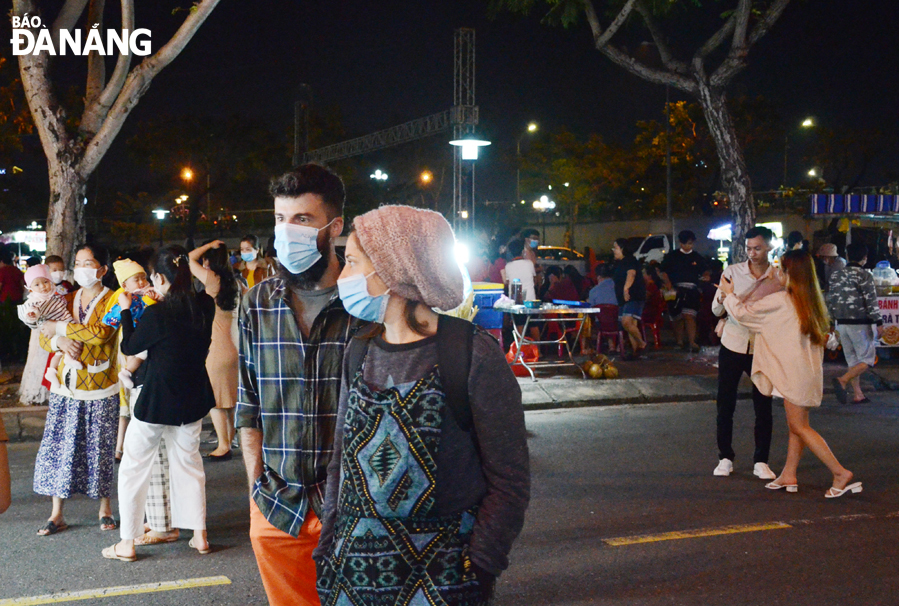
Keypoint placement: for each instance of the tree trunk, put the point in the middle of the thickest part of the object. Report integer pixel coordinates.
(734, 174)
(65, 219)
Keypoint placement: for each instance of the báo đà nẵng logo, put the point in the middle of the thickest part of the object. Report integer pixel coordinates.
(31, 37)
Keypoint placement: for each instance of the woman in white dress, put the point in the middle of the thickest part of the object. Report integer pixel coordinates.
(791, 329)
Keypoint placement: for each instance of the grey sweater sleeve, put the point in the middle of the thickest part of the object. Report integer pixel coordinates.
(332, 484)
(869, 294)
(502, 442)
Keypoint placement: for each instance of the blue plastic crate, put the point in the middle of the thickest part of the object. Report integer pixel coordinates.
(489, 318)
(485, 300)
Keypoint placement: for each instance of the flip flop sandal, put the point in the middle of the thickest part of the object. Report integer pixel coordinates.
(51, 528)
(149, 539)
(840, 391)
(108, 523)
(201, 551)
(111, 554)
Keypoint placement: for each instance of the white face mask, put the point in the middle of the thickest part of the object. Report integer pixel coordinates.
(57, 276)
(86, 276)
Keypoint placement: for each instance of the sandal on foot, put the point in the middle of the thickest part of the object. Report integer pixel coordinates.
(111, 554)
(777, 486)
(108, 523)
(840, 391)
(833, 492)
(151, 539)
(201, 551)
(51, 527)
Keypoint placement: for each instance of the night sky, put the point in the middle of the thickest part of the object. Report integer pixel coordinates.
(383, 63)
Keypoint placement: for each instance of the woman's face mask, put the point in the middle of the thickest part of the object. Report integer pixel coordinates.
(246, 257)
(86, 276)
(358, 302)
(297, 246)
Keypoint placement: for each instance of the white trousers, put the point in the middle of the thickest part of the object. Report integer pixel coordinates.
(188, 480)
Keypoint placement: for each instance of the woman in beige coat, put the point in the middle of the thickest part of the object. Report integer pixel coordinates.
(790, 329)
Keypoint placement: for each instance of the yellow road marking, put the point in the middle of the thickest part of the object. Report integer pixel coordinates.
(690, 534)
(88, 594)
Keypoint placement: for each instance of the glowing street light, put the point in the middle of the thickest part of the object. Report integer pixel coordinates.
(470, 146)
(426, 177)
(813, 173)
(532, 127)
(464, 214)
(160, 214)
(187, 174)
(378, 175)
(808, 123)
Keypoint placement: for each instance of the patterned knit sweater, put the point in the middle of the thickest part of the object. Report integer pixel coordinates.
(98, 377)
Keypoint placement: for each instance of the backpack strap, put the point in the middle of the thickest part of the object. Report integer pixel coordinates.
(455, 339)
(354, 357)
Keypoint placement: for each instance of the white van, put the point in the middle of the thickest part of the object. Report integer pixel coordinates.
(653, 248)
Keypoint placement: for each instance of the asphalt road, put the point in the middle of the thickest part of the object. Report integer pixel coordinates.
(598, 474)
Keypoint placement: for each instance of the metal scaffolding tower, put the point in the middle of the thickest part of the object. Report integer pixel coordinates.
(461, 118)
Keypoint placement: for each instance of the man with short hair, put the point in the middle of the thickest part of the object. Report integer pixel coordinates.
(852, 303)
(752, 280)
(681, 270)
(293, 332)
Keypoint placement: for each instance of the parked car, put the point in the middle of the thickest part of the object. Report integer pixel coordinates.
(561, 256)
(653, 247)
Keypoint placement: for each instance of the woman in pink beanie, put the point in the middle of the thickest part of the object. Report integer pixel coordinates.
(430, 460)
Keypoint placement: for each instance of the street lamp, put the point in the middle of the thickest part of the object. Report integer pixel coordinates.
(187, 174)
(813, 172)
(544, 205)
(532, 128)
(807, 123)
(378, 175)
(160, 214)
(426, 177)
(470, 146)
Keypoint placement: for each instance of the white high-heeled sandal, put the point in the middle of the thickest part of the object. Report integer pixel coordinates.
(835, 493)
(776, 486)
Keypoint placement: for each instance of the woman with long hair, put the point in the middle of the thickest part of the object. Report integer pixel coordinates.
(175, 396)
(791, 329)
(209, 264)
(430, 458)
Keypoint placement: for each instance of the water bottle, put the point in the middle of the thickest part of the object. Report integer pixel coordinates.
(515, 292)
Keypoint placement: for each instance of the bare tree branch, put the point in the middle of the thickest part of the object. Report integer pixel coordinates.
(96, 63)
(67, 17)
(773, 14)
(658, 76)
(744, 9)
(137, 83)
(658, 38)
(716, 40)
(600, 37)
(97, 112)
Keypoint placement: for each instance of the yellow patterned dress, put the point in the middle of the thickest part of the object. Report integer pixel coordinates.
(78, 447)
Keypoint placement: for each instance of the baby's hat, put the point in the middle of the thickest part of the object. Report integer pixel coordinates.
(126, 268)
(34, 272)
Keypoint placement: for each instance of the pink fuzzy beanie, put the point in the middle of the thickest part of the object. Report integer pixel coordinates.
(413, 251)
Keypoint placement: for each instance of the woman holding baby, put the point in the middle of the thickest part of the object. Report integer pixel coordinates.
(77, 450)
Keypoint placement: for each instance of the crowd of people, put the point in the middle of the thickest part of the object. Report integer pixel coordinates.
(342, 457)
(352, 395)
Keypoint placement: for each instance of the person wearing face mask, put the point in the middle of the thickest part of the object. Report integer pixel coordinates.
(292, 333)
(58, 273)
(77, 449)
(681, 270)
(430, 437)
(253, 267)
(175, 396)
(790, 328)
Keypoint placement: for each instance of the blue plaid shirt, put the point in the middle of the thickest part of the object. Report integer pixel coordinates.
(289, 387)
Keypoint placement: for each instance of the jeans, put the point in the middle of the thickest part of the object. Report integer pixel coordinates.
(731, 366)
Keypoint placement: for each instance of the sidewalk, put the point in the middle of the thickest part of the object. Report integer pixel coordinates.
(664, 376)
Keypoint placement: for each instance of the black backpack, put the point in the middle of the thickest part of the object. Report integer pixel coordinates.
(455, 338)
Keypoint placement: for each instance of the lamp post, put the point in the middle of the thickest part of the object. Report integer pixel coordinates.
(544, 205)
(160, 214)
(532, 128)
(807, 123)
(470, 146)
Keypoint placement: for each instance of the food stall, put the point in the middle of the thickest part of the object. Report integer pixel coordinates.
(876, 209)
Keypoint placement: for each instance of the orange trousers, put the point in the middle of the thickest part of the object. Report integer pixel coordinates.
(285, 563)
